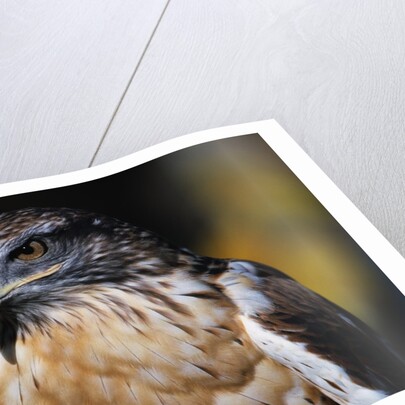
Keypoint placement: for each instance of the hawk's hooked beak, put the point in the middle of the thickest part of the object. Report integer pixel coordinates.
(12, 286)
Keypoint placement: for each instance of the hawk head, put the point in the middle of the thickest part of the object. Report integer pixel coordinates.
(46, 255)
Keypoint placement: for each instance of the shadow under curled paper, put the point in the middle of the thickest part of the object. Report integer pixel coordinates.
(222, 267)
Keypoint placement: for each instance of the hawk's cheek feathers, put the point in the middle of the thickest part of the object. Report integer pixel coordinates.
(18, 283)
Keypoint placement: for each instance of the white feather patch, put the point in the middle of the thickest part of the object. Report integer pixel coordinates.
(320, 372)
(240, 285)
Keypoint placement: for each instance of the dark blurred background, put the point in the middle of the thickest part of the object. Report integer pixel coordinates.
(236, 198)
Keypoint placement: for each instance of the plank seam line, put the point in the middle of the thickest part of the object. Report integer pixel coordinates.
(128, 85)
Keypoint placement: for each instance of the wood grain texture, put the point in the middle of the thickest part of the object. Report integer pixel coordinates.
(64, 66)
(330, 72)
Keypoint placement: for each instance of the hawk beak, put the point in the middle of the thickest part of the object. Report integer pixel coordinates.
(12, 286)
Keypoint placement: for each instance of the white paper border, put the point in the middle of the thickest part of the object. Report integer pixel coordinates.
(344, 211)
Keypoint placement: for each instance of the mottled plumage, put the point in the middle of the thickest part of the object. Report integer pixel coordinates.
(97, 311)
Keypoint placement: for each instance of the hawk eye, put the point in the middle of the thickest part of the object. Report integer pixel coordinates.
(31, 250)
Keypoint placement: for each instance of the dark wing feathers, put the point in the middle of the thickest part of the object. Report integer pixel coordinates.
(329, 331)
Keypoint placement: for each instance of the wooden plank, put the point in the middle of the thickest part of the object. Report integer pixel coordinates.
(64, 66)
(330, 72)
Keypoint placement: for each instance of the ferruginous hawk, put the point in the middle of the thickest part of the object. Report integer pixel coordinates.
(97, 311)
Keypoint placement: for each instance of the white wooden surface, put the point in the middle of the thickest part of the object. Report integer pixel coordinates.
(86, 82)
(64, 66)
